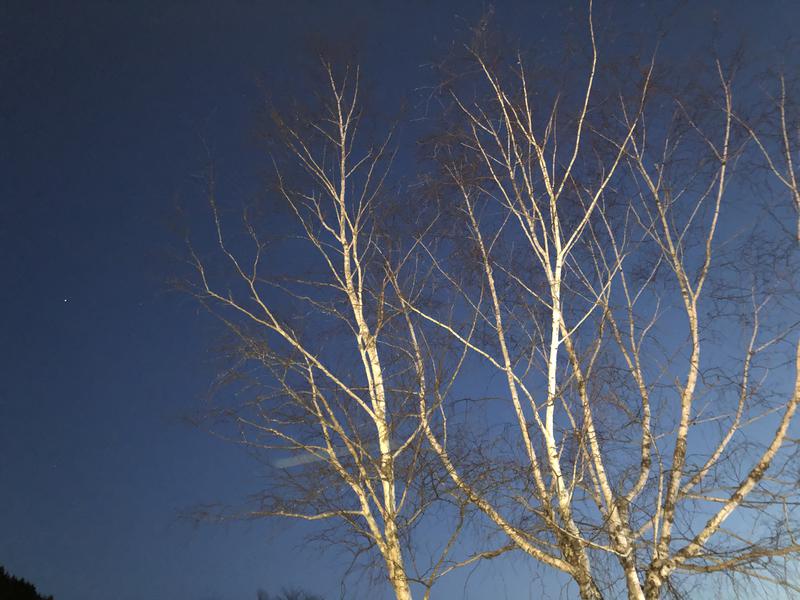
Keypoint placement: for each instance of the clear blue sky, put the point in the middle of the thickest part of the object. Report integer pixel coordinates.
(101, 104)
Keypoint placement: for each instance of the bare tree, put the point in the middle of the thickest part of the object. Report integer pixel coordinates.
(316, 350)
(593, 261)
(652, 437)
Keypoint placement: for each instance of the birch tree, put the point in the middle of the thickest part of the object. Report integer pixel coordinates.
(316, 355)
(594, 271)
(650, 394)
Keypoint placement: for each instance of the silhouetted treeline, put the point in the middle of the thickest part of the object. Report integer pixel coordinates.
(293, 594)
(15, 588)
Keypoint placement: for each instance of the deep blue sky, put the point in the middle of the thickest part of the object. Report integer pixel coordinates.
(101, 104)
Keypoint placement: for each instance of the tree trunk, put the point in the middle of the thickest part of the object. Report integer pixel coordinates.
(394, 563)
(588, 589)
(653, 584)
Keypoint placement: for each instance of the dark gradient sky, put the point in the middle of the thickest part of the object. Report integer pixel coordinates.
(101, 107)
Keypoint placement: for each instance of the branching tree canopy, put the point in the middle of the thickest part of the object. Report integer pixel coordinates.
(603, 264)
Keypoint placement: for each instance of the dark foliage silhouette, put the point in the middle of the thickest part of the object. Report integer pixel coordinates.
(288, 594)
(15, 588)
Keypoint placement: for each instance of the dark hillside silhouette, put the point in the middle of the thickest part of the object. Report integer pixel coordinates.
(291, 594)
(15, 588)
